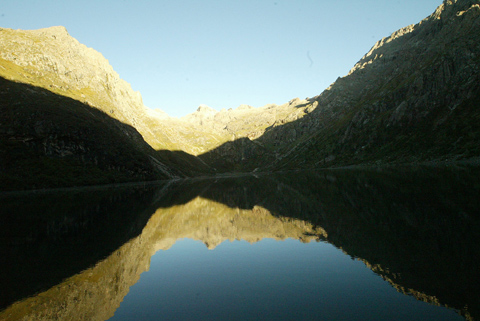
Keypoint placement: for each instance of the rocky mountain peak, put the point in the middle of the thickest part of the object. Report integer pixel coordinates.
(388, 48)
(58, 62)
(54, 32)
(244, 107)
(204, 109)
(420, 82)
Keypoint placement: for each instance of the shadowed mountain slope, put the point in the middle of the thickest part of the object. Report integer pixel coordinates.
(47, 140)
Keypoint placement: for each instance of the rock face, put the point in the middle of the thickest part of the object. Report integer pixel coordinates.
(238, 145)
(52, 59)
(413, 96)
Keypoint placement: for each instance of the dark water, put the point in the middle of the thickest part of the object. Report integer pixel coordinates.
(319, 245)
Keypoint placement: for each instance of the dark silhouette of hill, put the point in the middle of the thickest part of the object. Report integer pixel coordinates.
(48, 140)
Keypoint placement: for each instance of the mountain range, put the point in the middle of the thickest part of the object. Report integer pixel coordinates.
(68, 119)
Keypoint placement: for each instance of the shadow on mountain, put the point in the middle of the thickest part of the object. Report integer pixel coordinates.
(189, 165)
(48, 140)
(240, 155)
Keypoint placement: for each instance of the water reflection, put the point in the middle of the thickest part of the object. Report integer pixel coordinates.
(267, 280)
(47, 237)
(416, 230)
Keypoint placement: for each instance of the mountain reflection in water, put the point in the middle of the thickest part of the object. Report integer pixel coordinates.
(75, 255)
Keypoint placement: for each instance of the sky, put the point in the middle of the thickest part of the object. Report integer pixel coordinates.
(180, 54)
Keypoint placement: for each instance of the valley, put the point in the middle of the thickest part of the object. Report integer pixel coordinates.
(412, 98)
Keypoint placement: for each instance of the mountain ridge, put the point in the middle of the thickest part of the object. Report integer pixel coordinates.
(407, 85)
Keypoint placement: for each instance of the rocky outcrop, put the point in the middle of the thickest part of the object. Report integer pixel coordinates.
(238, 143)
(52, 59)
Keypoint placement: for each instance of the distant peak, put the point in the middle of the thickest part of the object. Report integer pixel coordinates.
(55, 31)
(205, 109)
(244, 106)
(452, 8)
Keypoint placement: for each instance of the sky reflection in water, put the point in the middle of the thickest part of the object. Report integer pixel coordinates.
(274, 280)
(83, 254)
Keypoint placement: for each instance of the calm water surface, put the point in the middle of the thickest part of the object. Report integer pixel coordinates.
(268, 280)
(321, 245)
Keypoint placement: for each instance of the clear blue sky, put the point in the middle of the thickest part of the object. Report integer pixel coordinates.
(180, 54)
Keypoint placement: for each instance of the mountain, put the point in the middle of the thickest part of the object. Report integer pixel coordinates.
(412, 98)
(67, 119)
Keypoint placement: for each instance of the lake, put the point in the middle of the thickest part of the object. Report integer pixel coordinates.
(390, 244)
